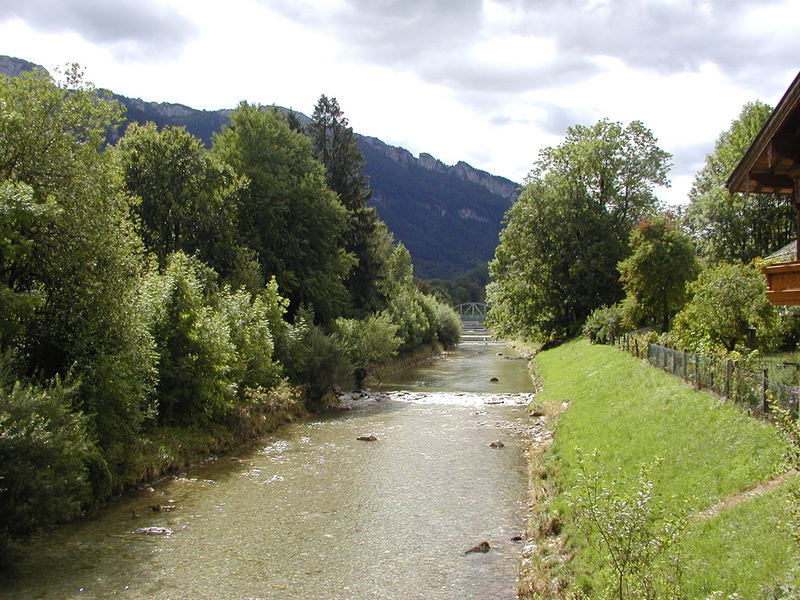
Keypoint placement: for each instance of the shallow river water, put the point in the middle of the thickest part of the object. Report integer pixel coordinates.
(314, 513)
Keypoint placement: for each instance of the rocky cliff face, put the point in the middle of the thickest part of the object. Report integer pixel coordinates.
(447, 216)
(14, 66)
(499, 186)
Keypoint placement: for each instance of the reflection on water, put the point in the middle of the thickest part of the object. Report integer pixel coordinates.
(316, 514)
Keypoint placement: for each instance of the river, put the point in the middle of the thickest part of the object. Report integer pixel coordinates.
(314, 513)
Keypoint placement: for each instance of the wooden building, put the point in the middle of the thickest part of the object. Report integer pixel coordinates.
(772, 165)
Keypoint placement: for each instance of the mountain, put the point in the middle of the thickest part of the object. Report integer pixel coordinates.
(447, 216)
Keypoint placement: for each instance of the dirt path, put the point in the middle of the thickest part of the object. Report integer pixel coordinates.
(752, 492)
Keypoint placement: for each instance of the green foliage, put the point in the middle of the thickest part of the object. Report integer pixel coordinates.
(789, 424)
(317, 361)
(249, 319)
(469, 287)
(604, 324)
(616, 166)
(288, 215)
(655, 273)
(196, 353)
(370, 343)
(44, 448)
(335, 147)
(409, 309)
(20, 295)
(727, 300)
(189, 200)
(557, 257)
(738, 227)
(631, 530)
(448, 325)
(86, 263)
(556, 262)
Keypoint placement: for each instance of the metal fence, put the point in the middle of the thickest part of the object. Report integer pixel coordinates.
(754, 391)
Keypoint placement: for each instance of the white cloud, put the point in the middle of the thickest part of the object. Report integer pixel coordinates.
(490, 82)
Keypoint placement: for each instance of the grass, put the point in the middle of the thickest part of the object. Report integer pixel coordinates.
(631, 414)
(744, 550)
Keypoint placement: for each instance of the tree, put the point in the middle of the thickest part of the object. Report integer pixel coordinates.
(189, 200)
(617, 166)
(736, 227)
(555, 263)
(655, 273)
(564, 236)
(336, 148)
(77, 252)
(288, 215)
(727, 301)
(370, 343)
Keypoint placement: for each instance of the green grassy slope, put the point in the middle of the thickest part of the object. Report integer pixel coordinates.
(631, 414)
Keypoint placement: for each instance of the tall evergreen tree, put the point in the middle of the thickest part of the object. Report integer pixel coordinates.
(335, 146)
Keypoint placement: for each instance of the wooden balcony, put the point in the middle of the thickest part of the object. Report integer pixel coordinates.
(783, 283)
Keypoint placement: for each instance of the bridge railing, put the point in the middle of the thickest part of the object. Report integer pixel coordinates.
(472, 310)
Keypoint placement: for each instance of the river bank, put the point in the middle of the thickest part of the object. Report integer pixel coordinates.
(613, 414)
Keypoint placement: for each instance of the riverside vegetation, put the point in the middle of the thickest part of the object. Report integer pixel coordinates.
(160, 302)
(623, 500)
(638, 475)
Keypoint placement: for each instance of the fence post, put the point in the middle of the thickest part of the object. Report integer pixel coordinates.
(636, 347)
(728, 378)
(685, 365)
(674, 359)
(697, 371)
(764, 405)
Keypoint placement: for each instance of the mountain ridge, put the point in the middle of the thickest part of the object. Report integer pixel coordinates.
(448, 216)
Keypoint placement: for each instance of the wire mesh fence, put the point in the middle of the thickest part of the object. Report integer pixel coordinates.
(754, 391)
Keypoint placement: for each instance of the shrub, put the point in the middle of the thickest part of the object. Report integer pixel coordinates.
(448, 325)
(193, 341)
(603, 324)
(44, 450)
(728, 300)
(248, 320)
(631, 530)
(317, 362)
(370, 343)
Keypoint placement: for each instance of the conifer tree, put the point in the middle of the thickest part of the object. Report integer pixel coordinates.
(336, 147)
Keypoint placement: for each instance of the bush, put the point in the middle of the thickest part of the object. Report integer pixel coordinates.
(317, 362)
(193, 341)
(631, 530)
(728, 301)
(44, 450)
(603, 324)
(370, 343)
(248, 320)
(448, 325)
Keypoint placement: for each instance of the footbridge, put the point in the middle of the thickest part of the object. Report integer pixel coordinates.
(472, 311)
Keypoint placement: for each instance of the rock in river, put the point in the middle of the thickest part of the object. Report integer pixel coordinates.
(497, 444)
(483, 547)
(367, 438)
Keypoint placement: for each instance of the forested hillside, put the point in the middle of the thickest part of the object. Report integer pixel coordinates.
(447, 216)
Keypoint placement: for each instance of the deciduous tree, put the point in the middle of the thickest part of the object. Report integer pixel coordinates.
(564, 236)
(288, 215)
(655, 274)
(736, 227)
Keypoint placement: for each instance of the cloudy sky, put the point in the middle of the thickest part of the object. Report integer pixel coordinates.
(490, 82)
